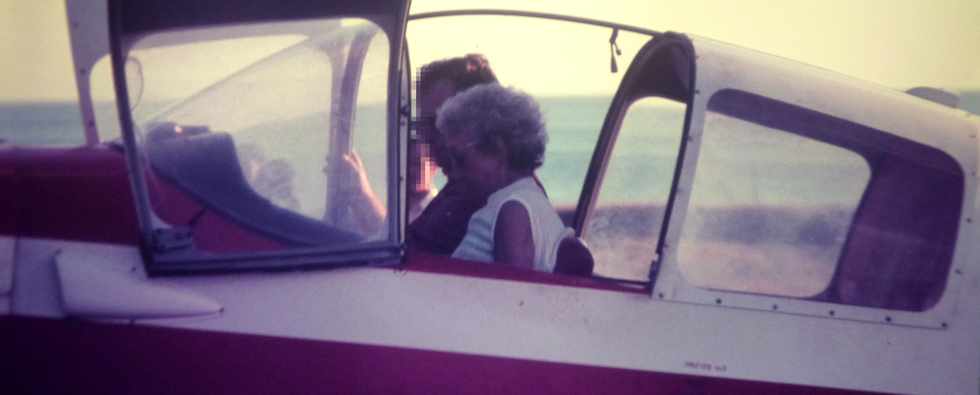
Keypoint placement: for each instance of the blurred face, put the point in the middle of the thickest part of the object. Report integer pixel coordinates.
(421, 166)
(430, 101)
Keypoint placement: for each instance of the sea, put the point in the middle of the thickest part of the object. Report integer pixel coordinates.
(648, 143)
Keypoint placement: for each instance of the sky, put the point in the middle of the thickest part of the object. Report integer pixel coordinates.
(896, 43)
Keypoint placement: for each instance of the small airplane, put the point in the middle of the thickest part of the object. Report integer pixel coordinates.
(755, 225)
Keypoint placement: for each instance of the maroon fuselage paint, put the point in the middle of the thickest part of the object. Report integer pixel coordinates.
(57, 356)
(83, 194)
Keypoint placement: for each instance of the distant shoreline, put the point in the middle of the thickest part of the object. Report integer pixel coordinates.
(969, 100)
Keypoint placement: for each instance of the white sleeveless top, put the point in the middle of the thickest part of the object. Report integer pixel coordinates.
(547, 230)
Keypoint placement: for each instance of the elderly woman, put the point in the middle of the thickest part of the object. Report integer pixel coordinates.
(494, 138)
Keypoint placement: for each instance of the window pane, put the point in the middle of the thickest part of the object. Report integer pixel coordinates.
(277, 112)
(240, 122)
(789, 201)
(769, 210)
(625, 224)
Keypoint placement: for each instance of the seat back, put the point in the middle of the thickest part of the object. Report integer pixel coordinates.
(205, 165)
(574, 258)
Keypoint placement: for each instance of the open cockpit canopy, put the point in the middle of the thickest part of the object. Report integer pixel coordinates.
(241, 121)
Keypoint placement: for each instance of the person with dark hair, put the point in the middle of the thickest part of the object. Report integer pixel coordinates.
(495, 139)
(440, 227)
(437, 221)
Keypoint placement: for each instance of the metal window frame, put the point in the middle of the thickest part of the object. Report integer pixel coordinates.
(130, 20)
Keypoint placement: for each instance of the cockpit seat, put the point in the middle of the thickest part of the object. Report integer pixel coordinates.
(205, 165)
(574, 258)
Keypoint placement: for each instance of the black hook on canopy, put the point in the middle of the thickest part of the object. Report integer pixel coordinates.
(614, 50)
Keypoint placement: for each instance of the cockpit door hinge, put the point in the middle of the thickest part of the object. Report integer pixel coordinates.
(172, 239)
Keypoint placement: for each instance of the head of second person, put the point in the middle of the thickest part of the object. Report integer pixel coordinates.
(437, 82)
(492, 136)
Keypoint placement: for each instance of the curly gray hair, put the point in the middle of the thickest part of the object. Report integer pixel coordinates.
(492, 112)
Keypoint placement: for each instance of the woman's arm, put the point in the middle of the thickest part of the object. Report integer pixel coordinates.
(366, 208)
(513, 243)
